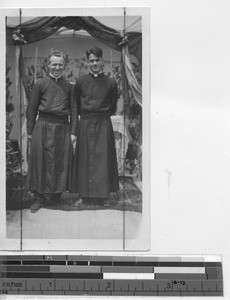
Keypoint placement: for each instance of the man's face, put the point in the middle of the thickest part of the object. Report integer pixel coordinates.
(56, 65)
(95, 64)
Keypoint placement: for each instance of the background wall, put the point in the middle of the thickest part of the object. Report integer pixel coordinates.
(190, 129)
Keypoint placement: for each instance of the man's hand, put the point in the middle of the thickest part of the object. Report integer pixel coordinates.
(73, 141)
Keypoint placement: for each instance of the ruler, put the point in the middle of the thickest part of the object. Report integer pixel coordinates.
(110, 275)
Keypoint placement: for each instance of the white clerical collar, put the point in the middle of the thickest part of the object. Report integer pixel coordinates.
(96, 74)
(56, 78)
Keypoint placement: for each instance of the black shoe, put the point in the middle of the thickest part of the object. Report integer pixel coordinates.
(87, 201)
(103, 202)
(78, 203)
(106, 203)
(36, 205)
(55, 199)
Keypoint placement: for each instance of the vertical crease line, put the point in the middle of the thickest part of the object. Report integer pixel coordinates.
(20, 124)
(124, 189)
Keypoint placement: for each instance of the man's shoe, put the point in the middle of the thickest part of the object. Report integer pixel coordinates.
(36, 205)
(78, 203)
(103, 202)
(54, 200)
(106, 203)
(87, 201)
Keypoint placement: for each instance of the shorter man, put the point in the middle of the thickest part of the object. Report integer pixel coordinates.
(48, 165)
(95, 172)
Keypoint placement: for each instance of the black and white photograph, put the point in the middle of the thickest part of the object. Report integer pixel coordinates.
(115, 146)
(77, 129)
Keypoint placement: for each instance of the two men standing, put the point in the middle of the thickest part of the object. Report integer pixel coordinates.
(93, 173)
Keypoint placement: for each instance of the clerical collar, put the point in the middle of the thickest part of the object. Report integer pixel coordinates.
(96, 75)
(56, 78)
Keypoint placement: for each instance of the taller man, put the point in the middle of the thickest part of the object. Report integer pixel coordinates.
(95, 172)
(49, 158)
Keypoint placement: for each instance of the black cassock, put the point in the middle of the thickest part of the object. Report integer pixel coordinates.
(94, 170)
(49, 159)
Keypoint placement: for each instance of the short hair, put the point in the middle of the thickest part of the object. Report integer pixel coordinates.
(56, 53)
(96, 51)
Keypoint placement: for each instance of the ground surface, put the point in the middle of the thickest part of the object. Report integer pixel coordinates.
(58, 224)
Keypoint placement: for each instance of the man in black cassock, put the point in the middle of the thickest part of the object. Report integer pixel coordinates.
(95, 172)
(49, 135)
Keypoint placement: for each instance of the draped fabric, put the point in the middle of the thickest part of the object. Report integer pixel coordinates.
(42, 27)
(131, 78)
(22, 103)
(100, 32)
(23, 73)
